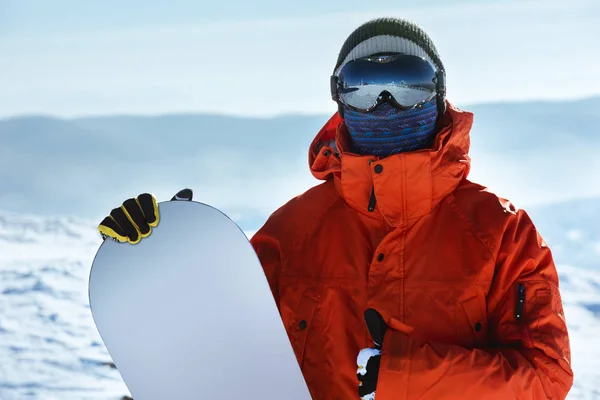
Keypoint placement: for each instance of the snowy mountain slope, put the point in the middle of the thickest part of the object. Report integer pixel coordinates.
(572, 230)
(581, 296)
(531, 152)
(49, 346)
(50, 349)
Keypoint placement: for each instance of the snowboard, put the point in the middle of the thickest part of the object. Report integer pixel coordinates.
(187, 313)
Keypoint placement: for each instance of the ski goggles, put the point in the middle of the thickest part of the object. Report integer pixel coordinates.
(406, 81)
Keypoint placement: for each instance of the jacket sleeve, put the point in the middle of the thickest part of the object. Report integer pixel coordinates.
(268, 250)
(529, 352)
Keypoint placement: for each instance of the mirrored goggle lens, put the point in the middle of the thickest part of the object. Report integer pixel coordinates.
(409, 79)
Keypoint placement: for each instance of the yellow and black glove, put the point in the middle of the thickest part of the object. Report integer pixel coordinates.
(135, 218)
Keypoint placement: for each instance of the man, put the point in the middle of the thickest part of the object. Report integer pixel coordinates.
(459, 291)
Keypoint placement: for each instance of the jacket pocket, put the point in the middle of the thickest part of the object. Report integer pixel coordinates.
(475, 310)
(540, 318)
(300, 324)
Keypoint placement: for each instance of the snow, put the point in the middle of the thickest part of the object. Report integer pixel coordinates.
(50, 349)
(49, 346)
(581, 297)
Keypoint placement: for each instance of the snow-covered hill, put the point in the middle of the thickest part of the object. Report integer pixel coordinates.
(572, 229)
(50, 349)
(49, 346)
(530, 152)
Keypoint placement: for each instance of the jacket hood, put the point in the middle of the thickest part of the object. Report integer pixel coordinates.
(402, 186)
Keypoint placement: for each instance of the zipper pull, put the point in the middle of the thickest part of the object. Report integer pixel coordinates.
(372, 200)
(520, 307)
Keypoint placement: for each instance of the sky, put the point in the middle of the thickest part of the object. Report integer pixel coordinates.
(261, 58)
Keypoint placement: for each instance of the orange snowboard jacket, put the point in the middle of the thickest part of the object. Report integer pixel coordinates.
(466, 284)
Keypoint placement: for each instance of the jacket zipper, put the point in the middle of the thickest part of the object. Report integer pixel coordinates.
(519, 311)
(372, 200)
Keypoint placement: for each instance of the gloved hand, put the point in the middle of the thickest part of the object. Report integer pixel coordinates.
(369, 359)
(135, 218)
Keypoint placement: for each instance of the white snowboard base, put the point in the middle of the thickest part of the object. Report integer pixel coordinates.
(187, 313)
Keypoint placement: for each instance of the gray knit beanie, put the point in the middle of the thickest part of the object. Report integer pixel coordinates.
(388, 35)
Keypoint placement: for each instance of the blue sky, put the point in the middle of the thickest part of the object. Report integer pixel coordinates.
(71, 58)
(39, 16)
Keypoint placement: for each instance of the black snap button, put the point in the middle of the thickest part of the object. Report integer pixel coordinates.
(478, 327)
(302, 325)
(380, 257)
(378, 169)
(327, 153)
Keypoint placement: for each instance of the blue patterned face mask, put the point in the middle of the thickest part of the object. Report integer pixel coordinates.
(389, 130)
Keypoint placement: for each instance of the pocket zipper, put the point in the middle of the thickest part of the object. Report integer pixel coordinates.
(519, 311)
(520, 307)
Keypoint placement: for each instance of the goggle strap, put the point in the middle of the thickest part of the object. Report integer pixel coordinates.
(333, 85)
(440, 74)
